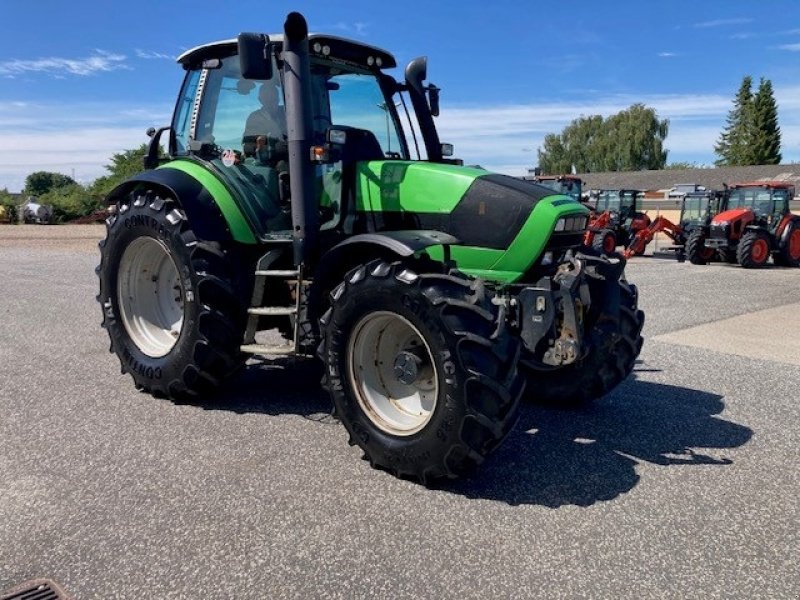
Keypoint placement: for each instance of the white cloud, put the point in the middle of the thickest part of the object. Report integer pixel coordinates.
(743, 36)
(97, 62)
(667, 54)
(790, 47)
(358, 28)
(501, 137)
(148, 54)
(722, 22)
(79, 137)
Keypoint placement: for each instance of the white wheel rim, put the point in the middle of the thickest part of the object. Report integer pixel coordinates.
(377, 350)
(150, 295)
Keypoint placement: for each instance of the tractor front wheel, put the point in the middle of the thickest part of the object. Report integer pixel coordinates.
(754, 249)
(696, 250)
(421, 369)
(605, 241)
(608, 363)
(168, 299)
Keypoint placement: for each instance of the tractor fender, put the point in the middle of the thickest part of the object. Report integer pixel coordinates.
(784, 229)
(203, 213)
(360, 249)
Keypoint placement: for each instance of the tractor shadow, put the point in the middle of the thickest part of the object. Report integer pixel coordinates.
(553, 457)
(578, 457)
(273, 387)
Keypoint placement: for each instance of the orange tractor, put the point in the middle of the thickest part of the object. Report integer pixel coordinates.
(697, 210)
(756, 225)
(615, 220)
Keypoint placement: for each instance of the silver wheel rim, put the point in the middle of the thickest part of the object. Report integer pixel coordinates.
(150, 296)
(378, 350)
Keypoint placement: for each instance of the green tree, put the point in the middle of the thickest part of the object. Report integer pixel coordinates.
(630, 140)
(572, 148)
(40, 182)
(766, 143)
(70, 202)
(734, 141)
(122, 166)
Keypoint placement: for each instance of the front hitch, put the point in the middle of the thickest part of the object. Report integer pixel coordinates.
(554, 315)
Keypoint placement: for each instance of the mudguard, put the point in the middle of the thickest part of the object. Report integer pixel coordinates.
(203, 213)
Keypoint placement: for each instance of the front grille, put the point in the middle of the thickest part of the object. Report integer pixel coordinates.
(719, 231)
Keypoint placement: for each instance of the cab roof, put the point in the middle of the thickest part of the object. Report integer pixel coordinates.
(780, 185)
(340, 48)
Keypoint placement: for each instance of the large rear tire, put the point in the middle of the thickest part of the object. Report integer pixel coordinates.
(696, 250)
(169, 300)
(789, 255)
(421, 369)
(754, 250)
(608, 363)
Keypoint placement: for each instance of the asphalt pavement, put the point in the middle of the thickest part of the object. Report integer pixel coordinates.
(681, 483)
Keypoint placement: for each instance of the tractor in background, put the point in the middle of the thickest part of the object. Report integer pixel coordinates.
(615, 220)
(756, 225)
(697, 209)
(569, 185)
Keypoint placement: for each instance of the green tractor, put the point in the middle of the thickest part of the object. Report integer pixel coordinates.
(430, 291)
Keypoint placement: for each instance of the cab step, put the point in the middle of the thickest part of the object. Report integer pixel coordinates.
(272, 311)
(268, 349)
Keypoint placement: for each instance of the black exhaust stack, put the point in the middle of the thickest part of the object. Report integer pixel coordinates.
(297, 92)
(416, 72)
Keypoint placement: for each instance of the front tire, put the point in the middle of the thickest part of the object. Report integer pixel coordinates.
(753, 251)
(609, 362)
(696, 250)
(169, 302)
(421, 369)
(605, 242)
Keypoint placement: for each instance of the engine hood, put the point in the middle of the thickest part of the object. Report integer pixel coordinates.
(480, 208)
(733, 215)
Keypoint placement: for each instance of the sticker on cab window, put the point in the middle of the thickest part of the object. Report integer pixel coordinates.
(229, 157)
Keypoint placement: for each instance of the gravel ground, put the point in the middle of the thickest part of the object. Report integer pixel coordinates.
(680, 483)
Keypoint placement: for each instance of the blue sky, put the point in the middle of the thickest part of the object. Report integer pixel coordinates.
(83, 79)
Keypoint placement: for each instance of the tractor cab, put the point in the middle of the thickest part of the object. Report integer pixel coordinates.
(236, 122)
(622, 204)
(698, 208)
(767, 202)
(568, 185)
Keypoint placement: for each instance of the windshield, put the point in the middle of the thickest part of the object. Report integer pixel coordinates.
(608, 201)
(760, 200)
(695, 208)
(568, 187)
(355, 100)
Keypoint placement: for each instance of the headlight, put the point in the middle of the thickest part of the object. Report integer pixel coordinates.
(571, 223)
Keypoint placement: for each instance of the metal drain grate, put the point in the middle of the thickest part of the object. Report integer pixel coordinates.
(36, 589)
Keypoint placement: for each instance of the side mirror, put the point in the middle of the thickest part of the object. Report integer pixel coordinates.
(255, 61)
(151, 159)
(433, 99)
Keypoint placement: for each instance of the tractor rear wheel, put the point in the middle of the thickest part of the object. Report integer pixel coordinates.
(169, 302)
(421, 369)
(605, 241)
(789, 255)
(696, 250)
(609, 362)
(754, 249)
